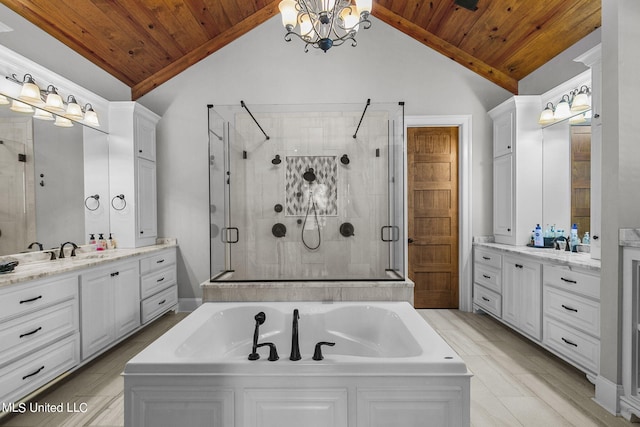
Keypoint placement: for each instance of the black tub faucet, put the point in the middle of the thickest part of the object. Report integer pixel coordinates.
(295, 346)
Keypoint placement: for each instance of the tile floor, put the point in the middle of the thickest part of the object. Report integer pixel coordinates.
(515, 382)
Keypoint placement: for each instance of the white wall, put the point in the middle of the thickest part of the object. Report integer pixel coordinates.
(261, 68)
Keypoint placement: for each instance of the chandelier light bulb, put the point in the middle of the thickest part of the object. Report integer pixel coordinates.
(364, 6)
(350, 18)
(289, 13)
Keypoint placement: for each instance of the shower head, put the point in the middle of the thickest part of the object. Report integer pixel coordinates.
(260, 318)
(309, 175)
(344, 159)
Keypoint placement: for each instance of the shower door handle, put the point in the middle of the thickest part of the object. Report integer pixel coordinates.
(394, 233)
(225, 234)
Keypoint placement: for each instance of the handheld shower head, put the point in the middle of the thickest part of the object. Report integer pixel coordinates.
(309, 175)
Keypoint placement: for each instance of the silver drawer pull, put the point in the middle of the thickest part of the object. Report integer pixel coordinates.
(160, 261)
(486, 277)
(569, 308)
(486, 299)
(30, 299)
(33, 373)
(568, 280)
(569, 342)
(162, 302)
(160, 279)
(30, 333)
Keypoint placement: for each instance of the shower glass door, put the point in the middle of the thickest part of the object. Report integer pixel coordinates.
(307, 192)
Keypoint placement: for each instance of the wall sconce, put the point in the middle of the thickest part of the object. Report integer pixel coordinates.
(47, 102)
(580, 100)
(563, 109)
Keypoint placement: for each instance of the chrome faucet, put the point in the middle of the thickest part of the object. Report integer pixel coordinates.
(73, 251)
(295, 346)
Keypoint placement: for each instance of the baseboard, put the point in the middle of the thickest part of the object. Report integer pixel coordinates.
(608, 395)
(189, 304)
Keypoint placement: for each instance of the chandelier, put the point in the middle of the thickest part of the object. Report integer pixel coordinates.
(324, 23)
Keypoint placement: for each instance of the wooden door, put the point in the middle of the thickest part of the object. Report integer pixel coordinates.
(432, 155)
(581, 178)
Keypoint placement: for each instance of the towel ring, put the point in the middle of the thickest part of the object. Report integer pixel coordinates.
(124, 202)
(96, 197)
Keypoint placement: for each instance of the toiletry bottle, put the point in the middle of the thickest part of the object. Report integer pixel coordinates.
(111, 243)
(538, 237)
(92, 241)
(532, 241)
(101, 242)
(586, 239)
(573, 238)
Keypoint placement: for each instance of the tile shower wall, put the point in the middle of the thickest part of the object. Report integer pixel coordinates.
(355, 193)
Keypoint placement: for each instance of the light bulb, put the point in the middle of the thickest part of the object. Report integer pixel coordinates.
(289, 13)
(74, 111)
(30, 91)
(562, 109)
(546, 117)
(90, 116)
(54, 101)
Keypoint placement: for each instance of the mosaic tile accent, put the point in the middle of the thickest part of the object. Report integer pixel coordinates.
(324, 188)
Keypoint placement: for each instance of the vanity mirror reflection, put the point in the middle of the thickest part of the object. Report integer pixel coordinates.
(54, 182)
(566, 165)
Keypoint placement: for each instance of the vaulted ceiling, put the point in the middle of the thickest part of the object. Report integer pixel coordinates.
(144, 43)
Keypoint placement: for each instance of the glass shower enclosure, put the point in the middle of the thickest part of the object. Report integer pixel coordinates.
(307, 192)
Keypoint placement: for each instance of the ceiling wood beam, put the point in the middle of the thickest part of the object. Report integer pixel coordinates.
(434, 42)
(201, 52)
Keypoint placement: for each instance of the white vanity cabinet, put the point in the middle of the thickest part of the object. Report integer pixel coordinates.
(39, 332)
(158, 285)
(517, 171)
(522, 295)
(132, 174)
(110, 305)
(487, 280)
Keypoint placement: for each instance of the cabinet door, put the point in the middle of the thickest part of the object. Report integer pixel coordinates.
(503, 134)
(530, 288)
(145, 137)
(503, 196)
(126, 286)
(146, 200)
(510, 300)
(96, 296)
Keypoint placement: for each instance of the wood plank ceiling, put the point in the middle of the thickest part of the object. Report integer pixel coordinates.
(144, 43)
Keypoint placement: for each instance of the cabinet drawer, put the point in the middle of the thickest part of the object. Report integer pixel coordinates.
(489, 258)
(488, 300)
(574, 281)
(159, 303)
(157, 261)
(28, 374)
(574, 310)
(575, 345)
(488, 277)
(19, 299)
(32, 331)
(153, 282)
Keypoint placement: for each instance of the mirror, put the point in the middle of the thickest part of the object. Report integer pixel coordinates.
(566, 166)
(54, 182)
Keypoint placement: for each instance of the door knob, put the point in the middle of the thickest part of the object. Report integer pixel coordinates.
(410, 240)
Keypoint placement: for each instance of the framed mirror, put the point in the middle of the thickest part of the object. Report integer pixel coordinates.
(54, 182)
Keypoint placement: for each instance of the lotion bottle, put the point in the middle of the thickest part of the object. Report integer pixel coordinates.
(538, 237)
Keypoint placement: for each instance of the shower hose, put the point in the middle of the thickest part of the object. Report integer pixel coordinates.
(310, 206)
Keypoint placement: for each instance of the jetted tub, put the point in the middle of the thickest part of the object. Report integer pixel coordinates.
(388, 368)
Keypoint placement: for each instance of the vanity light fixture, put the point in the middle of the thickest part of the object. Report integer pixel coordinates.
(63, 122)
(324, 23)
(42, 115)
(563, 110)
(30, 91)
(74, 111)
(90, 116)
(546, 117)
(580, 100)
(54, 102)
(20, 107)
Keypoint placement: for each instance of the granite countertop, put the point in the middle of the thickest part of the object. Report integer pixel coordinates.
(36, 265)
(571, 259)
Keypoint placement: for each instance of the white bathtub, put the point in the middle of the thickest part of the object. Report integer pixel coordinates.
(388, 368)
